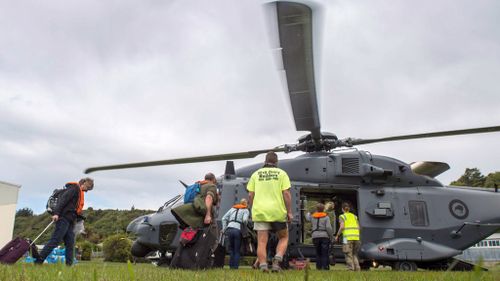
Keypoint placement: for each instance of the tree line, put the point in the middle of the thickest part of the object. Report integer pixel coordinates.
(99, 224)
(473, 177)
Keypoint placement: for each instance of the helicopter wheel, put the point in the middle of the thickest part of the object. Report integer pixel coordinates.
(366, 265)
(285, 264)
(404, 266)
(162, 259)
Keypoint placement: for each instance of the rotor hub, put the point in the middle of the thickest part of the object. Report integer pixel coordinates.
(307, 143)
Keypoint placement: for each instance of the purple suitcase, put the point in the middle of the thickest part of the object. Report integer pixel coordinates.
(17, 247)
(14, 250)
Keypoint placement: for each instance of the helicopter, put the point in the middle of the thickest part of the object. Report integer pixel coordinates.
(408, 218)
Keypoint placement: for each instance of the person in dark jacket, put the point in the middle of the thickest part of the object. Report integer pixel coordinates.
(69, 207)
(322, 233)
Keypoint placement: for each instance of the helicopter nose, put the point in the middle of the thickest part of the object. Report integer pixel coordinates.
(133, 225)
(139, 250)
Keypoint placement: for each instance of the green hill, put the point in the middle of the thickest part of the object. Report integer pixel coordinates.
(99, 224)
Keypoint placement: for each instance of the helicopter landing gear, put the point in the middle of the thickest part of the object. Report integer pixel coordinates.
(163, 259)
(404, 266)
(366, 265)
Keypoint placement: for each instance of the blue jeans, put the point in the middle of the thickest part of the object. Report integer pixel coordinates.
(234, 236)
(63, 232)
(322, 246)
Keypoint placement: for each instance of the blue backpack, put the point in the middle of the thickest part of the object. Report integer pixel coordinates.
(191, 192)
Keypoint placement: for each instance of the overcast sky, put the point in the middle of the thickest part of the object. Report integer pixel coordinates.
(89, 83)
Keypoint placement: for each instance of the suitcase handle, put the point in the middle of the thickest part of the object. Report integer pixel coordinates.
(43, 231)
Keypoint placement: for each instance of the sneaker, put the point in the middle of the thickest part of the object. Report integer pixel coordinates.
(276, 266)
(263, 268)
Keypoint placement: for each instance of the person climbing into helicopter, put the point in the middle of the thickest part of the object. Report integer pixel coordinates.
(349, 228)
(321, 234)
(200, 212)
(270, 201)
(196, 219)
(232, 223)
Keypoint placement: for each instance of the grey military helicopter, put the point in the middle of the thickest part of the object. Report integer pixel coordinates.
(408, 218)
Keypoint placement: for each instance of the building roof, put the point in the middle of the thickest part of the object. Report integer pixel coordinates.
(8, 193)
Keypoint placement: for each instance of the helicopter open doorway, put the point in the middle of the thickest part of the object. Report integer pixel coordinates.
(307, 197)
(311, 196)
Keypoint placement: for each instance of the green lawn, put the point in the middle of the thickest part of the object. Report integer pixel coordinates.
(93, 271)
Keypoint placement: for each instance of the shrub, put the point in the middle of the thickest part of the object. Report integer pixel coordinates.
(117, 248)
(86, 250)
(24, 212)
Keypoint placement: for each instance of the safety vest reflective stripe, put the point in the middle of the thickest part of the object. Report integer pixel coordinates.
(351, 226)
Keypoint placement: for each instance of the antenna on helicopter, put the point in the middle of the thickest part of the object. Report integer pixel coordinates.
(183, 183)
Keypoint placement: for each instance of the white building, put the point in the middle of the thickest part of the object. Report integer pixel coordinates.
(488, 250)
(8, 202)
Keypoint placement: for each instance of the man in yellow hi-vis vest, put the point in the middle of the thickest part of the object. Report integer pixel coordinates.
(349, 228)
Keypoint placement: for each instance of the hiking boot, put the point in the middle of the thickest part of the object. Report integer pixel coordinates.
(276, 265)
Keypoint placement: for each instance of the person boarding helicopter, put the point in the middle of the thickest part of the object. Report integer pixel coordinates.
(322, 234)
(232, 222)
(349, 228)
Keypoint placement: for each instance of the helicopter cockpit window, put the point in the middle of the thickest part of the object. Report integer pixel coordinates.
(418, 213)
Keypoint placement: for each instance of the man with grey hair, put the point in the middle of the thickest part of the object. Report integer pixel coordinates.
(270, 198)
(69, 207)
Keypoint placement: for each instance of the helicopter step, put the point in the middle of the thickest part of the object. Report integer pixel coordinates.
(451, 264)
(458, 264)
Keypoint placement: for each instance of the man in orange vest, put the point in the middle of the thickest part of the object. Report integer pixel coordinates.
(69, 207)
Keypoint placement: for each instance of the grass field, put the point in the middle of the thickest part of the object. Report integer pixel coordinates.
(94, 271)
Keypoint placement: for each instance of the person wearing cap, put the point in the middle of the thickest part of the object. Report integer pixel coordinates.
(231, 224)
(69, 208)
(270, 199)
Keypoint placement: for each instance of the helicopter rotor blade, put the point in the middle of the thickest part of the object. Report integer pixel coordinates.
(295, 38)
(426, 135)
(208, 158)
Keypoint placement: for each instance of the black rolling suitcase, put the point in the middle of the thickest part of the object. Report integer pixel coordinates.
(220, 252)
(17, 247)
(198, 254)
